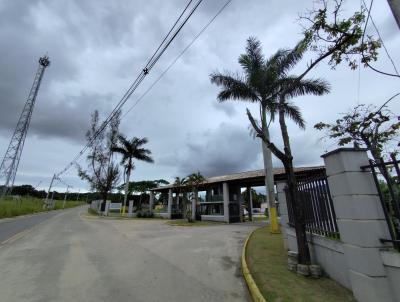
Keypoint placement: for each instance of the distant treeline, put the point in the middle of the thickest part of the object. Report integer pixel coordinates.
(28, 190)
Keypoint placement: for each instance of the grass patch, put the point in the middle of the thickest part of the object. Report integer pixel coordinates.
(267, 262)
(10, 207)
(193, 224)
(260, 218)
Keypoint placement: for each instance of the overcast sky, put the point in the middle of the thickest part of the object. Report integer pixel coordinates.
(98, 47)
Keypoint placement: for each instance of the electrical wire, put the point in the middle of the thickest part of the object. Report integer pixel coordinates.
(362, 41)
(171, 35)
(177, 57)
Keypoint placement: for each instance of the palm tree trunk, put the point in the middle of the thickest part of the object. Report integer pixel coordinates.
(297, 203)
(269, 176)
(128, 174)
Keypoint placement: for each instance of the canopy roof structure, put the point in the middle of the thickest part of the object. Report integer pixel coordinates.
(248, 179)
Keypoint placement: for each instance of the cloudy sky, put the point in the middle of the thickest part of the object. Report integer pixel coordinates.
(98, 47)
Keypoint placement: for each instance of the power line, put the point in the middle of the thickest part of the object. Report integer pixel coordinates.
(383, 44)
(171, 35)
(177, 57)
(387, 52)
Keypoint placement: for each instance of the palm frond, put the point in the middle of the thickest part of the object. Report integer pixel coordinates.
(233, 87)
(293, 112)
(293, 87)
(253, 59)
(124, 141)
(117, 149)
(287, 59)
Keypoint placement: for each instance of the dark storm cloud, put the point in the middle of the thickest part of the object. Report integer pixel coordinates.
(227, 149)
(68, 32)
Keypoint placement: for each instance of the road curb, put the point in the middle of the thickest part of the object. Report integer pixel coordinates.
(253, 288)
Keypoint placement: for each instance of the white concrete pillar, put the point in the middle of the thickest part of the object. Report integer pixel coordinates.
(169, 203)
(151, 202)
(225, 192)
(280, 186)
(360, 221)
(130, 208)
(107, 207)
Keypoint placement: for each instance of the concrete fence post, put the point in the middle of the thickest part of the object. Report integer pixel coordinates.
(169, 203)
(130, 208)
(360, 221)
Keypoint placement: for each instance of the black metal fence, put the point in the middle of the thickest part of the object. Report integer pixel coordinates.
(387, 180)
(320, 217)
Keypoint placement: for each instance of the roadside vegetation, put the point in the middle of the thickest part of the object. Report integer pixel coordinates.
(10, 207)
(267, 261)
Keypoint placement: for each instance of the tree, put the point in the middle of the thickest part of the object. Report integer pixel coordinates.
(256, 85)
(194, 180)
(131, 150)
(284, 87)
(181, 183)
(102, 173)
(332, 37)
(376, 129)
(339, 38)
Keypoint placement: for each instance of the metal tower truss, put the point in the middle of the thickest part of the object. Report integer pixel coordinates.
(9, 165)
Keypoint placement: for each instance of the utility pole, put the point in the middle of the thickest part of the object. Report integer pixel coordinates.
(395, 7)
(77, 196)
(65, 197)
(48, 192)
(9, 165)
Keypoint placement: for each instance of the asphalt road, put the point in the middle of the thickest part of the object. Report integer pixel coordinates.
(12, 226)
(72, 257)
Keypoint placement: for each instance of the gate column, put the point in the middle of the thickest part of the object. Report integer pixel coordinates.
(360, 221)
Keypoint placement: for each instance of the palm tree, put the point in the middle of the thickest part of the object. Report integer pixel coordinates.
(180, 183)
(288, 87)
(267, 82)
(256, 85)
(131, 150)
(194, 180)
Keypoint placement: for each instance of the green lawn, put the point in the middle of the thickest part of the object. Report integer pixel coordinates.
(28, 205)
(192, 224)
(267, 261)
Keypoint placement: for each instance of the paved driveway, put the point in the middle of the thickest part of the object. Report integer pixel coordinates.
(71, 257)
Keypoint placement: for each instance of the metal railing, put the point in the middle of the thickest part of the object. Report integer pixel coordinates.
(215, 198)
(387, 180)
(210, 209)
(319, 213)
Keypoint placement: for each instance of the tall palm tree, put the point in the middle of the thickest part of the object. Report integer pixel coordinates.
(267, 82)
(288, 87)
(256, 85)
(131, 150)
(194, 180)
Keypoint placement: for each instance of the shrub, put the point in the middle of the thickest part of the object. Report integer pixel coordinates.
(144, 214)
